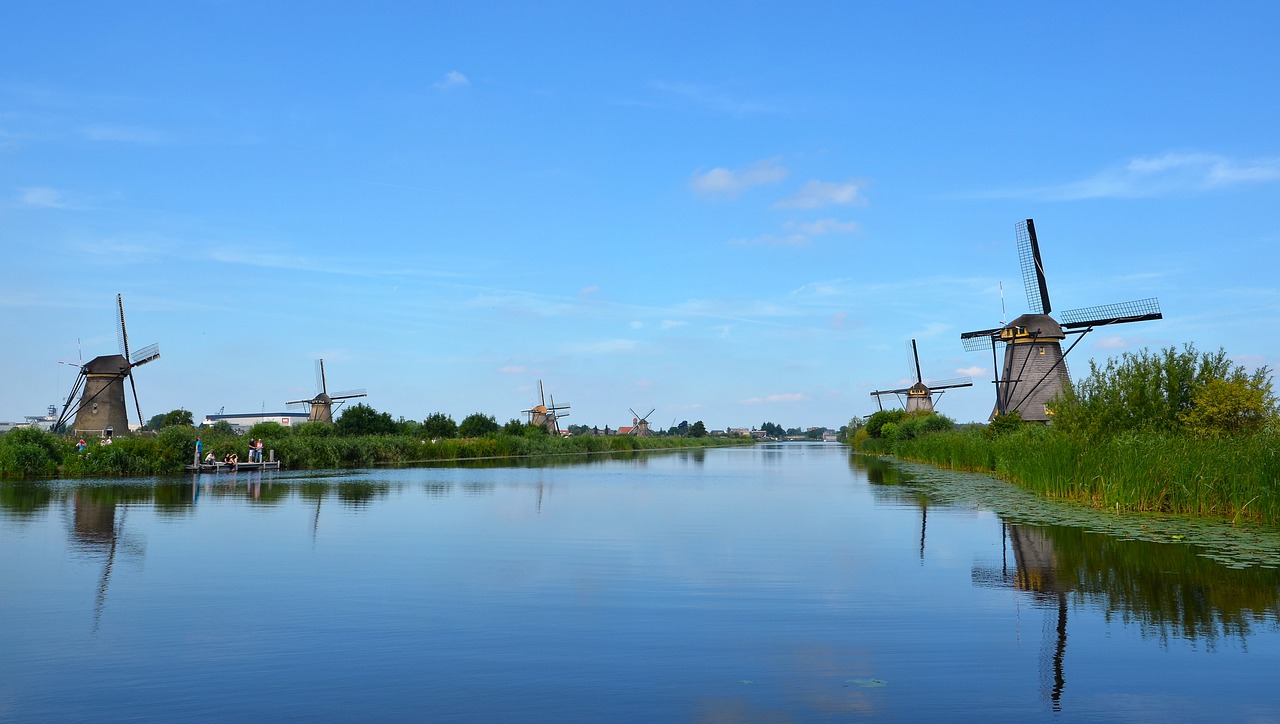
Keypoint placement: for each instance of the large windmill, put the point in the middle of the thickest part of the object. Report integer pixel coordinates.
(321, 406)
(1034, 370)
(920, 395)
(101, 407)
(640, 424)
(545, 415)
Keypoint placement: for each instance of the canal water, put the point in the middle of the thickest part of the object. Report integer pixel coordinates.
(788, 582)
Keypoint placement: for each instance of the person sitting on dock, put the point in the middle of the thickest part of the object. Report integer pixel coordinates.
(209, 458)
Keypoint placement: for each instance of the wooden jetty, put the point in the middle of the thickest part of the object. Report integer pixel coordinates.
(221, 467)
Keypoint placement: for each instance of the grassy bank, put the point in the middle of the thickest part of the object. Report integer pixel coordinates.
(34, 454)
(1236, 478)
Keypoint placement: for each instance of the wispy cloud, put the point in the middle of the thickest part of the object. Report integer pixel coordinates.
(781, 397)
(726, 182)
(1172, 174)
(513, 370)
(973, 371)
(43, 197)
(817, 194)
(800, 233)
(124, 134)
(451, 80)
(608, 346)
(714, 98)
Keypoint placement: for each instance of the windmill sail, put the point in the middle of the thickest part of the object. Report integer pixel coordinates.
(1034, 371)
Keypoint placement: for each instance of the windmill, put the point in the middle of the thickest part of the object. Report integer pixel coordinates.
(102, 407)
(640, 424)
(1034, 370)
(920, 395)
(544, 415)
(321, 406)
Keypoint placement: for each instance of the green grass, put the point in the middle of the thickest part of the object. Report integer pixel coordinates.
(1235, 478)
(36, 454)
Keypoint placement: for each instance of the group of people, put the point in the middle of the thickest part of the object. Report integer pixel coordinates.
(255, 453)
(81, 445)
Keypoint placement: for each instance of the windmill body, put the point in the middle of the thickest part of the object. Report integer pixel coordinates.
(920, 395)
(320, 407)
(102, 408)
(544, 415)
(1034, 371)
(640, 424)
(103, 404)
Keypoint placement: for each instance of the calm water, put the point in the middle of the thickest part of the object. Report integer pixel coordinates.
(777, 583)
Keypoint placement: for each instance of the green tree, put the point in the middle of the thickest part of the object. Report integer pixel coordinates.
(1241, 404)
(176, 417)
(155, 422)
(772, 429)
(698, 429)
(362, 419)
(439, 426)
(478, 424)
(268, 430)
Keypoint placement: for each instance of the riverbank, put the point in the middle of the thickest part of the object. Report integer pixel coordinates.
(36, 454)
(1235, 478)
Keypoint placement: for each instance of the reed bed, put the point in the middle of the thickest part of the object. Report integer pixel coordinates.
(35, 454)
(1236, 478)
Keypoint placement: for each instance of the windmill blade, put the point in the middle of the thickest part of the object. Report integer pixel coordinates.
(1138, 310)
(899, 391)
(981, 339)
(1032, 267)
(650, 412)
(915, 356)
(634, 414)
(320, 388)
(122, 334)
(146, 354)
(348, 394)
(951, 383)
(133, 386)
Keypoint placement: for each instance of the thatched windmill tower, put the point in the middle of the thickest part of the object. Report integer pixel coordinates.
(321, 405)
(640, 424)
(544, 415)
(101, 408)
(1034, 370)
(920, 395)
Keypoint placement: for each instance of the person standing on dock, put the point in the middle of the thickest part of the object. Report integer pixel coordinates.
(199, 449)
(258, 450)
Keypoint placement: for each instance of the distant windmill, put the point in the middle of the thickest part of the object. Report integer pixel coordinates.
(640, 424)
(101, 406)
(920, 395)
(544, 415)
(321, 406)
(1034, 370)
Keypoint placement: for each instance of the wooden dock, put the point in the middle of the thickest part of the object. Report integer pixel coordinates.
(220, 467)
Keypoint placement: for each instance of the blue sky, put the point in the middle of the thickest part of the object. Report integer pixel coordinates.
(730, 212)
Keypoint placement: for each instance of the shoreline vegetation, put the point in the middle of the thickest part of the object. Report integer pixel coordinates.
(31, 453)
(1176, 431)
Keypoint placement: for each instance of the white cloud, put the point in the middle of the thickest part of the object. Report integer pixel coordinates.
(714, 99)
(608, 346)
(123, 134)
(671, 324)
(43, 197)
(974, 371)
(1172, 174)
(782, 397)
(731, 182)
(817, 194)
(512, 370)
(452, 79)
(800, 233)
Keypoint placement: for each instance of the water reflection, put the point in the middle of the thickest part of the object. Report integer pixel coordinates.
(1169, 590)
(97, 529)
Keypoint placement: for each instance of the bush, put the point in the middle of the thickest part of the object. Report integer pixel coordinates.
(478, 425)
